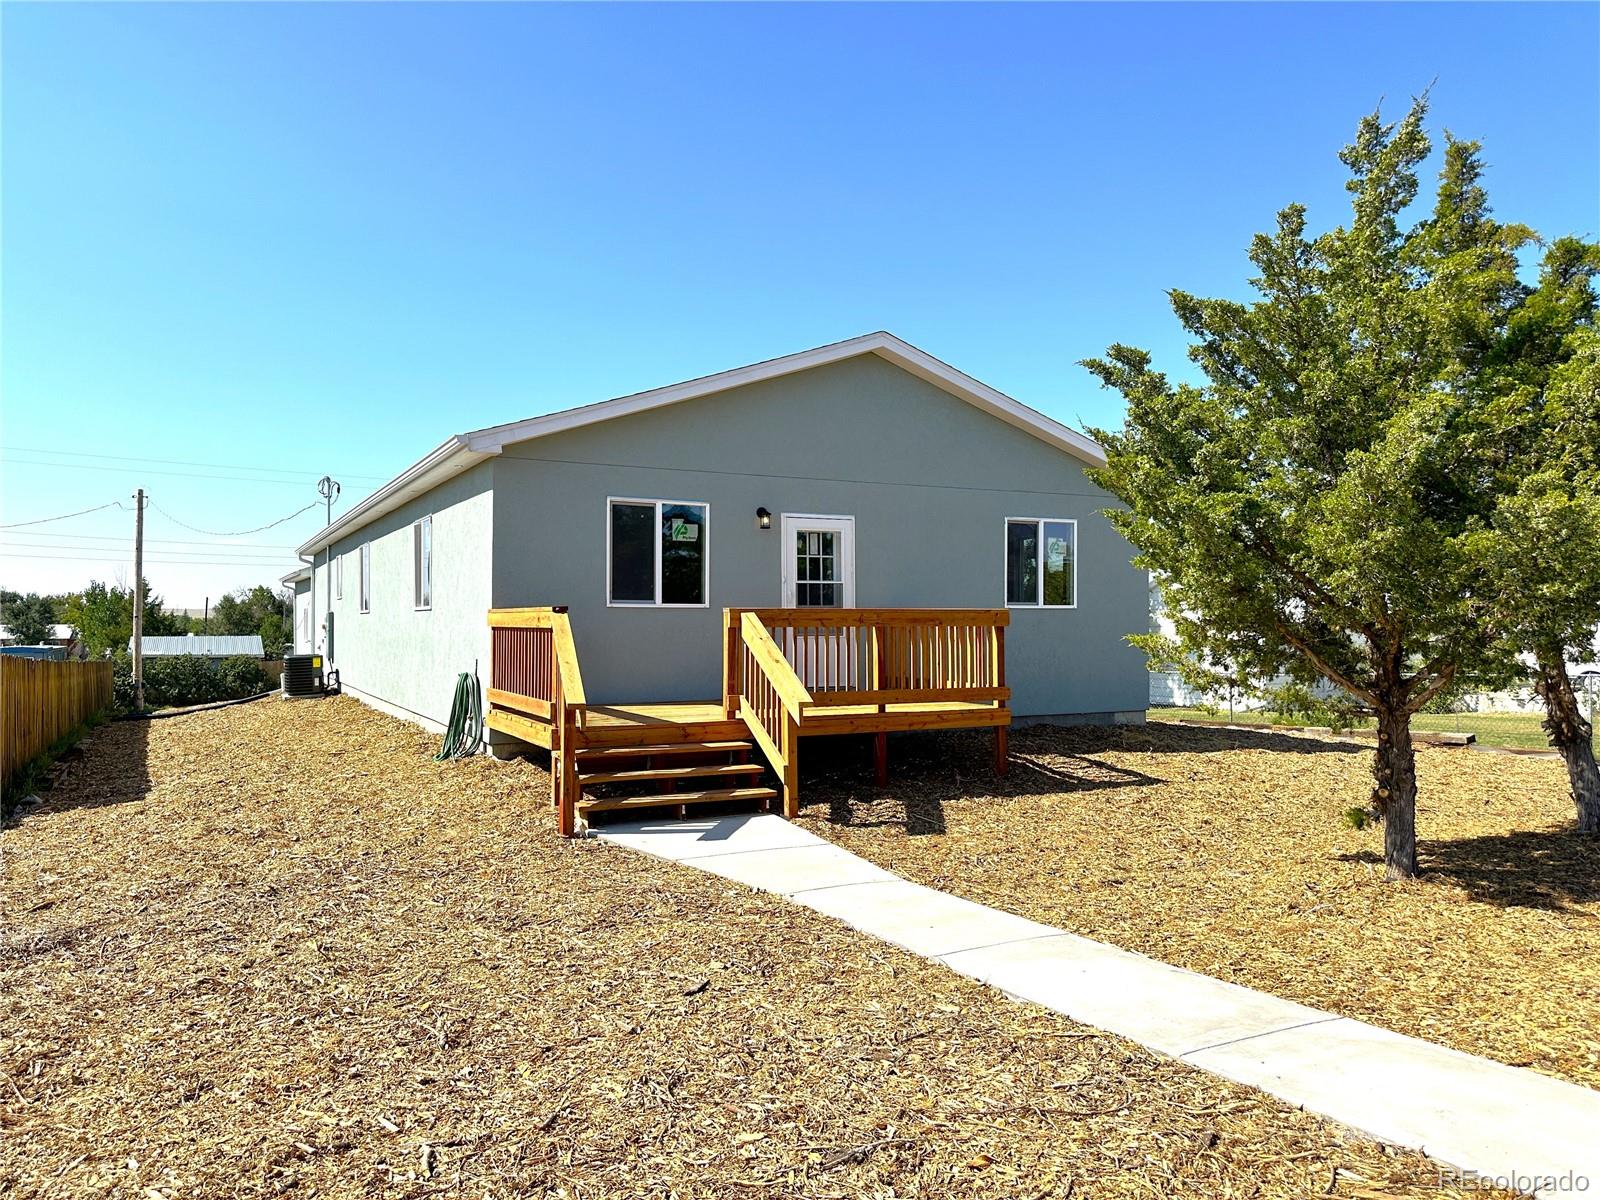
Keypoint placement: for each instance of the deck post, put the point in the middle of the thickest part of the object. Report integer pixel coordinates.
(878, 674)
(568, 768)
(563, 760)
(791, 767)
(1001, 732)
(732, 685)
(880, 759)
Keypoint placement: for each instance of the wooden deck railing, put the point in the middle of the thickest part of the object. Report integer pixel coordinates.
(787, 669)
(770, 699)
(534, 671)
(879, 656)
(521, 666)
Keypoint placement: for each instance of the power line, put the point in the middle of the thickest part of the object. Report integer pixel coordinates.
(142, 471)
(238, 533)
(183, 462)
(79, 513)
(119, 540)
(264, 564)
(215, 551)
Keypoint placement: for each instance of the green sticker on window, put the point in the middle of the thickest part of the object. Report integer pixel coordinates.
(682, 531)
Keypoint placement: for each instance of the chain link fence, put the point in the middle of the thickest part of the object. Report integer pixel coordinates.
(1507, 719)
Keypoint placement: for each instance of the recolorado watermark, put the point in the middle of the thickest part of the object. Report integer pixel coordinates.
(1568, 1183)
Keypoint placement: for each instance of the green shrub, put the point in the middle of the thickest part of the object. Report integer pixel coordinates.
(1452, 700)
(189, 679)
(1357, 817)
(1296, 704)
(122, 682)
(243, 676)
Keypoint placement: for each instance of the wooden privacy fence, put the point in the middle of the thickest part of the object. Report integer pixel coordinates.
(41, 701)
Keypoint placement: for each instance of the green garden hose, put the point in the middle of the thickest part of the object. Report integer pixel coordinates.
(464, 735)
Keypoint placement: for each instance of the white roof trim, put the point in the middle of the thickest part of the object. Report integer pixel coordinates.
(885, 345)
(444, 462)
(467, 449)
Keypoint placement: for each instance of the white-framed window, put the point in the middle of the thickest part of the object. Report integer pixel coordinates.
(658, 553)
(1041, 562)
(338, 577)
(422, 563)
(365, 582)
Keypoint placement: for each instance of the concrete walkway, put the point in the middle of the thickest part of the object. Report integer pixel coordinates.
(1534, 1133)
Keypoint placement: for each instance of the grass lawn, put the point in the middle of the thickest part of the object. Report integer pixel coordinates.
(275, 950)
(1223, 851)
(1516, 729)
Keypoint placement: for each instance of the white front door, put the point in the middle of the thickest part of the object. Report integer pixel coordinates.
(819, 571)
(819, 561)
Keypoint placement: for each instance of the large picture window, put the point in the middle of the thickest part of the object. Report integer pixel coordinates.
(1041, 562)
(658, 552)
(422, 563)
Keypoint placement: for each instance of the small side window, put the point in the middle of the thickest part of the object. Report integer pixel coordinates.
(422, 563)
(338, 578)
(365, 582)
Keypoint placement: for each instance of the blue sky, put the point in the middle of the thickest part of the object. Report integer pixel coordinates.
(321, 238)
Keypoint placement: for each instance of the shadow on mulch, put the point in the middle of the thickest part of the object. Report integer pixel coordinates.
(1547, 869)
(927, 769)
(1159, 737)
(110, 766)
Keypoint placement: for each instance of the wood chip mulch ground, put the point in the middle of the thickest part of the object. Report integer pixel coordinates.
(274, 950)
(1225, 851)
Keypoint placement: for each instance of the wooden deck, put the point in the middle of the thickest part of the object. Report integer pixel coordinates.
(632, 716)
(637, 724)
(787, 674)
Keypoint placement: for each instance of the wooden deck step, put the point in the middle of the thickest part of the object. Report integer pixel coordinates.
(669, 799)
(723, 769)
(607, 753)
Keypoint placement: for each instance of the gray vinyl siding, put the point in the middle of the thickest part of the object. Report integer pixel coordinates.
(929, 479)
(396, 655)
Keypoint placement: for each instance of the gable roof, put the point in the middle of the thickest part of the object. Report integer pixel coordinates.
(465, 450)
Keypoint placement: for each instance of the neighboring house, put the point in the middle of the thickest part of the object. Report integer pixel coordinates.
(62, 640)
(1585, 678)
(203, 645)
(1167, 688)
(863, 473)
(299, 583)
(44, 652)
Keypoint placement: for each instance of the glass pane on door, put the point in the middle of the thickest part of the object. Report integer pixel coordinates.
(816, 569)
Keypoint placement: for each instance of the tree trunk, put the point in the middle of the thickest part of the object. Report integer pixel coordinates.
(1572, 737)
(1394, 795)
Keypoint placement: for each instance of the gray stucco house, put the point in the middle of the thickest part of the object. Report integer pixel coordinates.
(864, 473)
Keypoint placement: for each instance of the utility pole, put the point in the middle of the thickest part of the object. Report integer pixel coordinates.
(328, 489)
(138, 600)
(205, 621)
